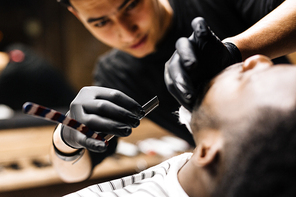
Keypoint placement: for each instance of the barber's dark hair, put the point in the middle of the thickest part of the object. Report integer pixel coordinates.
(64, 2)
(264, 163)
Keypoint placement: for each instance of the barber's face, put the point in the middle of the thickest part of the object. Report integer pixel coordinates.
(133, 26)
(242, 88)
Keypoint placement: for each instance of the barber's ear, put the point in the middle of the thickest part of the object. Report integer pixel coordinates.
(73, 11)
(205, 154)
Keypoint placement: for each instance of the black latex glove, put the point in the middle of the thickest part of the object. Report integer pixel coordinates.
(105, 111)
(196, 60)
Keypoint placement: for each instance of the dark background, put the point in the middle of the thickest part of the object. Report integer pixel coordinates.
(51, 30)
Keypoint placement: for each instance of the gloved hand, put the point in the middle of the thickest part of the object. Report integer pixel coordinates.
(105, 111)
(196, 60)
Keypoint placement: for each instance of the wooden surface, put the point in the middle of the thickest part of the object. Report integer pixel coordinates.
(292, 57)
(25, 163)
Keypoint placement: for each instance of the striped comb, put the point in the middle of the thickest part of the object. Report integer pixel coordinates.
(55, 116)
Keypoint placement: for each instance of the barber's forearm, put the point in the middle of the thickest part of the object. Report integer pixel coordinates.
(273, 35)
(69, 171)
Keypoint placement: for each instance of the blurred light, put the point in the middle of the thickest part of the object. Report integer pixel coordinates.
(17, 55)
(33, 27)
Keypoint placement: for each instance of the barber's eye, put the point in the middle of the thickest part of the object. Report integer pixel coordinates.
(102, 23)
(132, 5)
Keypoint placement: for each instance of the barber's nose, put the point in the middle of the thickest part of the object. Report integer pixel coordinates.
(127, 31)
(256, 61)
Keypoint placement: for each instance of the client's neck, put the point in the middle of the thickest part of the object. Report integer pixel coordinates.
(193, 180)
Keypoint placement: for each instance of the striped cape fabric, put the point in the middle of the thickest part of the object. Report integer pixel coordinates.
(160, 180)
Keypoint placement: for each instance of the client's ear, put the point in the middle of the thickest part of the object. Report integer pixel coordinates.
(207, 151)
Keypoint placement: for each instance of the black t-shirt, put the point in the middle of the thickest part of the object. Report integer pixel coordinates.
(143, 78)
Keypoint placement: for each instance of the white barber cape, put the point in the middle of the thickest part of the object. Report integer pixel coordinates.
(160, 180)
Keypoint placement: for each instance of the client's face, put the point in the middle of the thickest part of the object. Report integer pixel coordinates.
(242, 88)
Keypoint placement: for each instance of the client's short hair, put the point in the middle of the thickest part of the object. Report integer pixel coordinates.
(261, 161)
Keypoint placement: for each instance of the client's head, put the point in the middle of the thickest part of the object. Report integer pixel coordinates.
(245, 130)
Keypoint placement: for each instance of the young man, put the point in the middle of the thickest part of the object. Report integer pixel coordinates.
(245, 134)
(143, 33)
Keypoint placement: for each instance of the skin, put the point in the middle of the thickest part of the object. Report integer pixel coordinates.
(83, 167)
(250, 85)
(272, 36)
(133, 26)
(256, 82)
